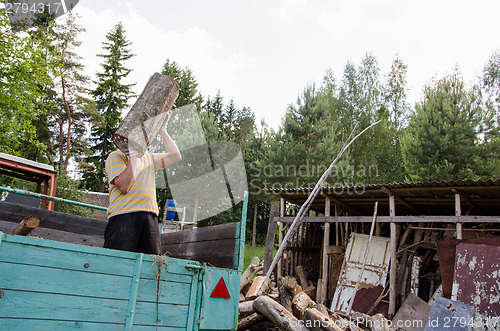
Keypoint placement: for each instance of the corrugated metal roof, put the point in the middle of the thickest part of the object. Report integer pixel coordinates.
(480, 197)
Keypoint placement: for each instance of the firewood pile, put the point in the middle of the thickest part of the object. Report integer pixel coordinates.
(288, 306)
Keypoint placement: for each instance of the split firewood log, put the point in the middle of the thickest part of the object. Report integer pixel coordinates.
(245, 309)
(28, 224)
(250, 271)
(299, 270)
(278, 314)
(287, 290)
(250, 320)
(301, 301)
(317, 321)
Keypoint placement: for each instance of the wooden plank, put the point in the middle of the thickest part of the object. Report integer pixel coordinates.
(216, 232)
(57, 235)
(40, 252)
(11, 212)
(89, 284)
(395, 219)
(271, 232)
(76, 308)
(216, 247)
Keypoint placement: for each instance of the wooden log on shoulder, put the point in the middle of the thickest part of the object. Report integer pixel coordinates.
(28, 224)
(147, 115)
(249, 272)
(250, 320)
(278, 314)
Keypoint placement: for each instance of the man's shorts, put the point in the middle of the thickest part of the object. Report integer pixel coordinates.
(134, 232)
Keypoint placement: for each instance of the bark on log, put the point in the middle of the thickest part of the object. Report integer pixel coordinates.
(300, 303)
(249, 272)
(278, 314)
(244, 323)
(245, 309)
(287, 288)
(316, 321)
(147, 115)
(28, 224)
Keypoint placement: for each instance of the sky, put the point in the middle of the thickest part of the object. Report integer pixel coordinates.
(264, 53)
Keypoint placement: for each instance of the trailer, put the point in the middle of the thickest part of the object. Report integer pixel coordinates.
(194, 285)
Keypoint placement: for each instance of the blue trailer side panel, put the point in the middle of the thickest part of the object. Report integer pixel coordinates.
(63, 286)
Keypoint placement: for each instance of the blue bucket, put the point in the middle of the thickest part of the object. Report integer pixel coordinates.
(170, 215)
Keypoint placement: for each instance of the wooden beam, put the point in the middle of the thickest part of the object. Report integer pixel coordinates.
(400, 199)
(393, 271)
(338, 202)
(271, 232)
(395, 219)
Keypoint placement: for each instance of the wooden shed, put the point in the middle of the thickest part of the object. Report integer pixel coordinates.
(410, 214)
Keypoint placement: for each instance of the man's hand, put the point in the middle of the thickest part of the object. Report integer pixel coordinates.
(164, 126)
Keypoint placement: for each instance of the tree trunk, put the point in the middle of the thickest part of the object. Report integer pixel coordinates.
(68, 116)
(278, 314)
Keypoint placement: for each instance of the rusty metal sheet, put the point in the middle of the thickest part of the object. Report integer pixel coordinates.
(375, 273)
(366, 297)
(413, 314)
(477, 280)
(446, 253)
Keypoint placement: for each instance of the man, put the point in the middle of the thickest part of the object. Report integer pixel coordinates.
(133, 210)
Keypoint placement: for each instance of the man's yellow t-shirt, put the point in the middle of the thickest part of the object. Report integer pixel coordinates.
(142, 194)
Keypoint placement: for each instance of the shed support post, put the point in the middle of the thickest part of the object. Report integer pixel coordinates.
(458, 212)
(326, 243)
(280, 237)
(392, 291)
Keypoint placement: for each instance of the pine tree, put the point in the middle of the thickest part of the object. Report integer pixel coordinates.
(111, 96)
(444, 137)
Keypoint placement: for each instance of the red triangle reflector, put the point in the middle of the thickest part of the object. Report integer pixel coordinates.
(220, 290)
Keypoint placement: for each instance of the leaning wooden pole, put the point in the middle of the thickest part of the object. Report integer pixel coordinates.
(307, 205)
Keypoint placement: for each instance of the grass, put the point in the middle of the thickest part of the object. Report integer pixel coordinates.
(250, 252)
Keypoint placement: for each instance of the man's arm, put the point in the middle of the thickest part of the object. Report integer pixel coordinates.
(125, 180)
(173, 155)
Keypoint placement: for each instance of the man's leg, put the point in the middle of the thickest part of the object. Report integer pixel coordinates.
(121, 233)
(149, 242)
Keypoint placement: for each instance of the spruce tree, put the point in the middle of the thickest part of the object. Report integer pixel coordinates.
(111, 96)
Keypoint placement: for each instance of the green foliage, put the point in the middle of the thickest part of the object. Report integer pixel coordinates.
(68, 188)
(111, 97)
(21, 75)
(444, 138)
